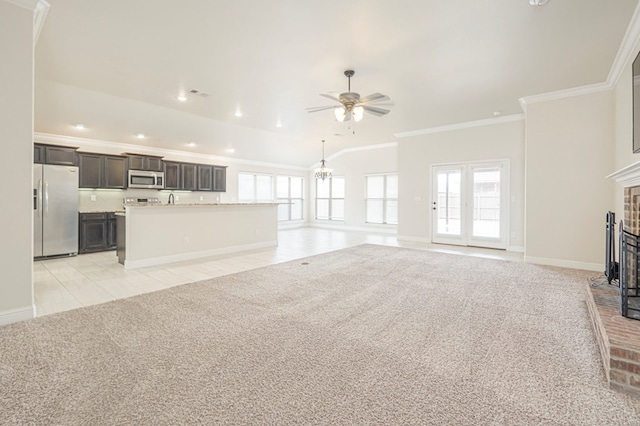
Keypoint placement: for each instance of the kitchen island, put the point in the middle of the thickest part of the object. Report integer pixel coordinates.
(156, 234)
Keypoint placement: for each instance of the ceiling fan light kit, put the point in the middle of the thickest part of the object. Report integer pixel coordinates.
(352, 105)
(538, 2)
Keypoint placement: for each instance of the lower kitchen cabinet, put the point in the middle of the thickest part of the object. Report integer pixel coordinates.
(97, 232)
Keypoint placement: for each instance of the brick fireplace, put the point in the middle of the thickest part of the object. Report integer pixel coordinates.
(619, 337)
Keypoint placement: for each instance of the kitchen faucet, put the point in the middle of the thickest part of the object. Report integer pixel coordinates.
(171, 201)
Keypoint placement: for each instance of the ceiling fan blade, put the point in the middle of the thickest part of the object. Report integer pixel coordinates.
(320, 108)
(375, 111)
(374, 97)
(332, 97)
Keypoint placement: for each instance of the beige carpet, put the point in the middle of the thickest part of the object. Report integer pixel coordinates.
(366, 335)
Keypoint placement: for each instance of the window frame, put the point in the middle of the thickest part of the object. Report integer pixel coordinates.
(289, 200)
(385, 198)
(255, 199)
(330, 199)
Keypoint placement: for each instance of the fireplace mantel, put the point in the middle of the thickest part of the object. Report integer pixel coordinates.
(627, 176)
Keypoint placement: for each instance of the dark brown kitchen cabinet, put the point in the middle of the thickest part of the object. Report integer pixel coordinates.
(102, 171)
(53, 154)
(97, 232)
(219, 179)
(38, 154)
(145, 162)
(205, 177)
(172, 178)
(189, 176)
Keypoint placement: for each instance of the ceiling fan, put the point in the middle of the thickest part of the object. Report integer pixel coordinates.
(353, 106)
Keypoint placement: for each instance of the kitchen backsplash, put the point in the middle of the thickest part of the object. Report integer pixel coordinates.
(105, 200)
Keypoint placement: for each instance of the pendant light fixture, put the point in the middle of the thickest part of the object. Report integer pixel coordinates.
(323, 172)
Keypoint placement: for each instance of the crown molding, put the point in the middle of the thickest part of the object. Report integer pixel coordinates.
(355, 149)
(627, 50)
(458, 126)
(47, 138)
(40, 9)
(565, 93)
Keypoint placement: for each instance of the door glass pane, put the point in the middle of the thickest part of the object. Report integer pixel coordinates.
(448, 203)
(374, 211)
(486, 202)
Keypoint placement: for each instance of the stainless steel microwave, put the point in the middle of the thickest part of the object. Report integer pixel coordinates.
(146, 179)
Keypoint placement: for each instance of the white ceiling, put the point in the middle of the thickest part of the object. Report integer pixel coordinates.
(117, 65)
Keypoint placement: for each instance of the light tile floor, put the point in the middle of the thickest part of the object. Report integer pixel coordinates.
(89, 279)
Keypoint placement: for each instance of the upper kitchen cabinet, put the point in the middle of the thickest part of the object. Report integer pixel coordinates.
(205, 177)
(53, 154)
(219, 179)
(189, 176)
(172, 178)
(102, 171)
(144, 162)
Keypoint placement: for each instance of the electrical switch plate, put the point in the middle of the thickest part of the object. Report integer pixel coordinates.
(93, 198)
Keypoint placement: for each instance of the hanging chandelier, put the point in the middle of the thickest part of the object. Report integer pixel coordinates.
(323, 171)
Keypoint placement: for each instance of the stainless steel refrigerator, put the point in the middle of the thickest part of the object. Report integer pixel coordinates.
(55, 210)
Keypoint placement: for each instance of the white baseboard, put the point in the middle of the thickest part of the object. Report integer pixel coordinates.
(565, 263)
(16, 315)
(392, 229)
(516, 249)
(153, 261)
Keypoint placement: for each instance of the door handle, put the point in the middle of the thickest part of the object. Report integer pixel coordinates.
(46, 198)
(40, 198)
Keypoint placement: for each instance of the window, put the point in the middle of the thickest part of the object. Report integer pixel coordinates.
(289, 189)
(330, 198)
(382, 199)
(254, 187)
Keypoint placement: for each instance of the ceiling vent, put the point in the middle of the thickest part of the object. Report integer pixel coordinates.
(199, 93)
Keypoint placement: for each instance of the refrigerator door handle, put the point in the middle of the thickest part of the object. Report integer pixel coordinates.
(46, 198)
(40, 198)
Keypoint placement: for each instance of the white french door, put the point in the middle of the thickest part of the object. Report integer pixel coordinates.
(469, 205)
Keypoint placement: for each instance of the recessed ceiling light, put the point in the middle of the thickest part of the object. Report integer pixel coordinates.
(79, 126)
(230, 150)
(279, 123)
(238, 113)
(191, 144)
(538, 2)
(497, 113)
(182, 98)
(140, 136)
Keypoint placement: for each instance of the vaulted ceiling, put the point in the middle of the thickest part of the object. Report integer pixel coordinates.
(117, 66)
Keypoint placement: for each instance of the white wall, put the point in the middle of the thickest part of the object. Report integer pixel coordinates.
(16, 173)
(417, 154)
(569, 151)
(354, 165)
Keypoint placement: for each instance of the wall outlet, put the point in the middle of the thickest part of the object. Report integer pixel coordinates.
(93, 198)
(177, 198)
(217, 198)
(201, 198)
